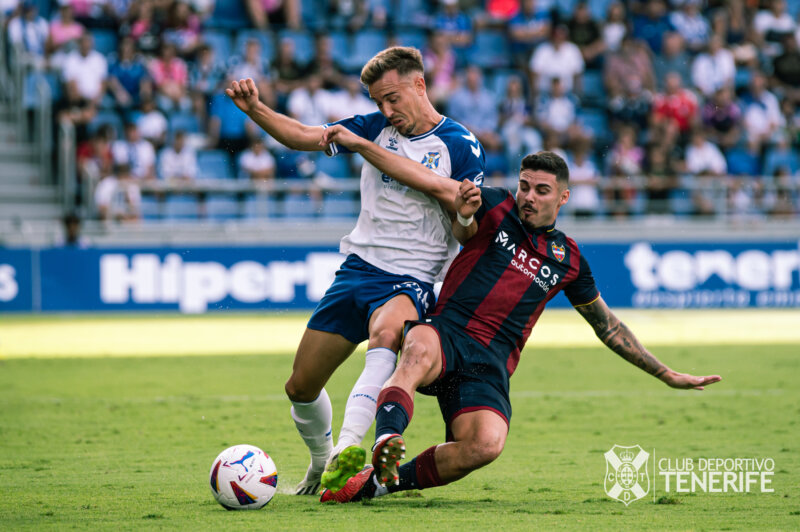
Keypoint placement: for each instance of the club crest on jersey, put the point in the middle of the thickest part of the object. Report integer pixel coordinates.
(431, 159)
(558, 251)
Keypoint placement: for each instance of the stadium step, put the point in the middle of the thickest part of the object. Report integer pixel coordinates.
(18, 193)
(30, 211)
(17, 151)
(19, 172)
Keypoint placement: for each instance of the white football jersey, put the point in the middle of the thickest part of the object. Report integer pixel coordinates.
(401, 230)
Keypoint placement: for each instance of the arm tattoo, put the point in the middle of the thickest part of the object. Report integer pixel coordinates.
(619, 338)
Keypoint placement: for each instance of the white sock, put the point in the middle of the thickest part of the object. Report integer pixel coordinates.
(363, 401)
(313, 422)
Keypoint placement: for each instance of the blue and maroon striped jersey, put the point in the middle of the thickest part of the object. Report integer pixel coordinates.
(498, 285)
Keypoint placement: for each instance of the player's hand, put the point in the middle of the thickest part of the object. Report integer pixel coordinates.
(685, 381)
(244, 94)
(468, 199)
(342, 136)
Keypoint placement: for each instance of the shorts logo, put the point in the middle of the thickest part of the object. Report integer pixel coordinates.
(626, 477)
(431, 159)
(558, 251)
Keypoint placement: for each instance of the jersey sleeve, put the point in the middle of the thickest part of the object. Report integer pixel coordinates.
(467, 159)
(582, 290)
(365, 126)
(491, 197)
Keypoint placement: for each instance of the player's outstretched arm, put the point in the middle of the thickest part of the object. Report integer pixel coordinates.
(468, 201)
(404, 170)
(282, 128)
(619, 338)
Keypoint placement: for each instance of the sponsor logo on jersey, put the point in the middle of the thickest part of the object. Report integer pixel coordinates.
(530, 266)
(558, 251)
(431, 159)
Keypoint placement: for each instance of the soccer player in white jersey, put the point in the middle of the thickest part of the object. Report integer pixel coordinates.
(400, 246)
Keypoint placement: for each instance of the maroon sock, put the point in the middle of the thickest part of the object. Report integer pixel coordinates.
(427, 472)
(395, 408)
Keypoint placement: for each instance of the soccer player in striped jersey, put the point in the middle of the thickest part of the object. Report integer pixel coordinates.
(513, 262)
(400, 246)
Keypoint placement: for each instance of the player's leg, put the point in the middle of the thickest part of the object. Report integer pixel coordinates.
(385, 331)
(318, 356)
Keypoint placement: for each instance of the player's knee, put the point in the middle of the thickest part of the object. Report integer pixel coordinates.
(482, 451)
(385, 337)
(416, 356)
(300, 392)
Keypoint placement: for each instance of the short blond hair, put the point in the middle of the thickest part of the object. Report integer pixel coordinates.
(403, 59)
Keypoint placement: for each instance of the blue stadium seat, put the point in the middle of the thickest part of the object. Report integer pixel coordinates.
(178, 207)
(29, 93)
(265, 38)
(105, 41)
(498, 81)
(222, 207)
(742, 78)
(599, 8)
(337, 167)
(775, 160)
(594, 91)
(187, 122)
(490, 50)
(410, 13)
(220, 42)
(340, 205)
(303, 45)
(340, 42)
(596, 122)
(151, 207)
(411, 37)
(259, 206)
(743, 162)
(300, 206)
(365, 45)
(228, 14)
(680, 200)
(310, 13)
(106, 117)
(214, 164)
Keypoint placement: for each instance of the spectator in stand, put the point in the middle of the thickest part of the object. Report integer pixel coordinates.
(652, 25)
(85, 74)
(135, 152)
(791, 121)
(183, 29)
(499, 12)
(786, 70)
(730, 22)
(354, 15)
(64, 33)
(630, 66)
(440, 67)
(703, 157)
(625, 161)
(690, 23)
(143, 27)
(556, 112)
(517, 126)
(723, 119)
(287, 74)
(256, 162)
(584, 182)
(206, 74)
(660, 181)
(324, 64)
(785, 204)
(228, 128)
(29, 33)
(128, 80)
(267, 13)
(714, 68)
(557, 58)
(72, 236)
(585, 32)
(781, 157)
(171, 78)
(771, 26)
(455, 25)
(631, 108)
(529, 28)
(117, 196)
(475, 107)
(179, 161)
(762, 113)
(152, 123)
(615, 27)
(673, 58)
(93, 160)
(254, 66)
(674, 112)
(93, 13)
(350, 101)
(311, 104)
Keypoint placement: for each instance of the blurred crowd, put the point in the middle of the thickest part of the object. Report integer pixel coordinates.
(679, 107)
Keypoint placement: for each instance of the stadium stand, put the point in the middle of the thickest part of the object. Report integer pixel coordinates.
(759, 135)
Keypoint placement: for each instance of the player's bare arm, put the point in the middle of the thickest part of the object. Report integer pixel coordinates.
(282, 128)
(467, 202)
(404, 170)
(619, 338)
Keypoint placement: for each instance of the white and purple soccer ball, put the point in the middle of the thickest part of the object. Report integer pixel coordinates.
(243, 477)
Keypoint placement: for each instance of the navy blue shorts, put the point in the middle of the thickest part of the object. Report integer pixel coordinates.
(358, 289)
(473, 377)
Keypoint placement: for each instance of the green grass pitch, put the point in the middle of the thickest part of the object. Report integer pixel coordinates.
(121, 441)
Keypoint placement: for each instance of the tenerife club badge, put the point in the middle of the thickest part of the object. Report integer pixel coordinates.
(626, 473)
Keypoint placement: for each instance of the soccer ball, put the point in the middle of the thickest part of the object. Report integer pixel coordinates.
(243, 477)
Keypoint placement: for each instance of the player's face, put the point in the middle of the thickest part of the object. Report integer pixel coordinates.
(398, 98)
(539, 197)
